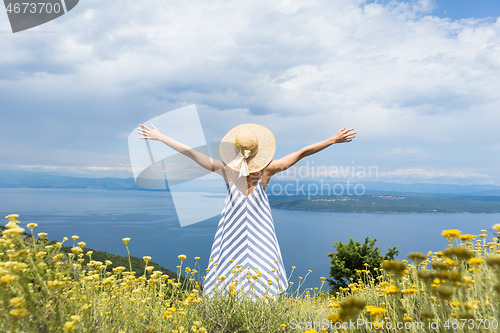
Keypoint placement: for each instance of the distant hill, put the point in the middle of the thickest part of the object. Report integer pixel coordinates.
(17, 179)
(387, 187)
(473, 189)
(31, 179)
(393, 203)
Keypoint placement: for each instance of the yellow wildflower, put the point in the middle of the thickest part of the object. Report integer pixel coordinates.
(475, 261)
(32, 226)
(182, 257)
(126, 240)
(13, 232)
(41, 254)
(18, 313)
(17, 302)
(451, 262)
(334, 317)
(391, 290)
(12, 224)
(466, 237)
(7, 278)
(375, 311)
(410, 291)
(378, 325)
(472, 305)
(69, 326)
(52, 283)
(452, 233)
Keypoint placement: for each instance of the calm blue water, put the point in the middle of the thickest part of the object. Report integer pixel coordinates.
(103, 217)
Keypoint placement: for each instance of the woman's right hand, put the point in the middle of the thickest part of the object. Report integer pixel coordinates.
(149, 133)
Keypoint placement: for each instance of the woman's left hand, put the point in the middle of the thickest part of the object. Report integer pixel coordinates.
(344, 135)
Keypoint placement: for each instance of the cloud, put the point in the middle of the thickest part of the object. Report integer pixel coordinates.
(447, 175)
(120, 171)
(393, 71)
(65, 161)
(404, 152)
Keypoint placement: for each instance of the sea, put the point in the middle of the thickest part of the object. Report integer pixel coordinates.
(101, 218)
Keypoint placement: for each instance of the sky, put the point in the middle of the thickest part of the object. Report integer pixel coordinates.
(418, 80)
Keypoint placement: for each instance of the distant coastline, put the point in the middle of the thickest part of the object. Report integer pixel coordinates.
(379, 197)
(393, 203)
(27, 179)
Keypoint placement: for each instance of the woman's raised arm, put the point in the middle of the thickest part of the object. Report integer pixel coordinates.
(203, 160)
(286, 162)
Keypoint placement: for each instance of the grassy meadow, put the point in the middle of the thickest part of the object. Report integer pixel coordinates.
(46, 289)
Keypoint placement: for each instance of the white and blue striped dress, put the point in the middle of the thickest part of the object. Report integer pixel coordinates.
(245, 252)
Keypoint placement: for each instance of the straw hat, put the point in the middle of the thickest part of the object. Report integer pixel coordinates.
(247, 148)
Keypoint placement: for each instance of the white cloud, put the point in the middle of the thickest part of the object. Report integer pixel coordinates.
(404, 152)
(121, 171)
(397, 74)
(448, 175)
(64, 160)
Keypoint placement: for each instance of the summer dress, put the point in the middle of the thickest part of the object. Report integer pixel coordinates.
(245, 252)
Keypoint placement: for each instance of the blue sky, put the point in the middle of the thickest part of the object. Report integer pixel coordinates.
(417, 79)
(459, 9)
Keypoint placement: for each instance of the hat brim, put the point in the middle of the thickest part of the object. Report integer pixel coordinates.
(267, 147)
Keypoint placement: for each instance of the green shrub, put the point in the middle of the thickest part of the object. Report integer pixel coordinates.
(348, 259)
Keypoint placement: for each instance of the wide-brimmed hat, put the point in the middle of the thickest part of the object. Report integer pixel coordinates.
(247, 148)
